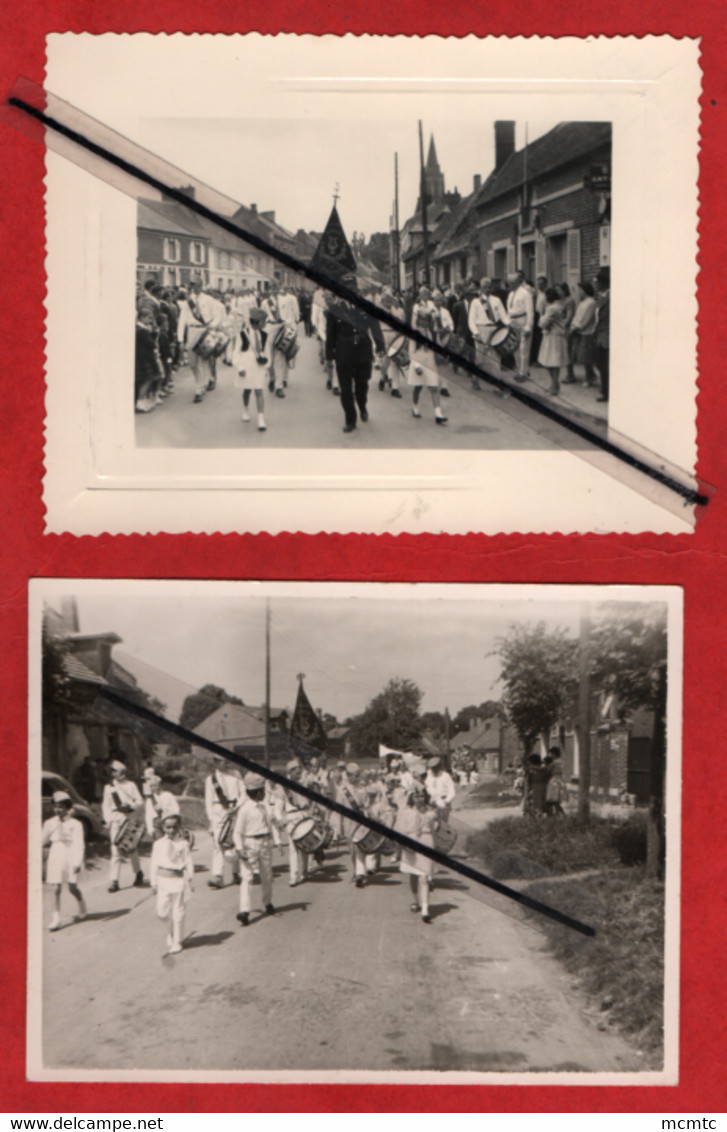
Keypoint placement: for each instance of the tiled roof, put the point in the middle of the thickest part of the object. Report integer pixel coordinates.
(561, 145)
(156, 220)
(77, 670)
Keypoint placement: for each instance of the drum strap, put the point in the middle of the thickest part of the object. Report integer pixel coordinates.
(221, 796)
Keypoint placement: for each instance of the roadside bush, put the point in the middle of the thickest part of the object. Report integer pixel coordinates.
(524, 847)
(622, 969)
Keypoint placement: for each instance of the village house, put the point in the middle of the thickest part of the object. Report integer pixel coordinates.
(493, 742)
(620, 748)
(77, 730)
(546, 208)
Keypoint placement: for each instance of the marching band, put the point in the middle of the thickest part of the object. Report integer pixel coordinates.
(248, 818)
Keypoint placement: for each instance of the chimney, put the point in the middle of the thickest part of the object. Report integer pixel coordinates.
(477, 183)
(69, 615)
(270, 215)
(253, 208)
(504, 142)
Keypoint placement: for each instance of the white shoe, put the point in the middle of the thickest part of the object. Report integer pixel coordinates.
(54, 924)
(261, 426)
(415, 413)
(170, 942)
(175, 949)
(245, 415)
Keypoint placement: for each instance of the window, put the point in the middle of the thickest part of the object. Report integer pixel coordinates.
(172, 250)
(196, 252)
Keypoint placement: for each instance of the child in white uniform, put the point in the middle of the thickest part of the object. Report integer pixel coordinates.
(172, 872)
(64, 834)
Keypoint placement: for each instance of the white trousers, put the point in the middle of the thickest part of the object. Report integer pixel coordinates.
(258, 858)
(172, 895)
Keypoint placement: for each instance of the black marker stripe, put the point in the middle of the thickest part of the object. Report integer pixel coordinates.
(689, 495)
(361, 819)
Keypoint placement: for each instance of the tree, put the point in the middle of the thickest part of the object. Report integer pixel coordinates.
(629, 659)
(538, 674)
(391, 718)
(435, 722)
(489, 709)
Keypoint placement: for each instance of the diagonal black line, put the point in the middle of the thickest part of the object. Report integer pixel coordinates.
(336, 807)
(689, 494)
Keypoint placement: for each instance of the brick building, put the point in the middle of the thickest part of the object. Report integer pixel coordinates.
(171, 247)
(546, 208)
(620, 748)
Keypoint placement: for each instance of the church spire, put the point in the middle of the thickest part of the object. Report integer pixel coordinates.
(432, 161)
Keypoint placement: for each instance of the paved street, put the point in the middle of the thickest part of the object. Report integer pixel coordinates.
(311, 417)
(338, 978)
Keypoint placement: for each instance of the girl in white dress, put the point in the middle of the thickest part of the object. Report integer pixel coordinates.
(251, 378)
(423, 367)
(64, 835)
(418, 819)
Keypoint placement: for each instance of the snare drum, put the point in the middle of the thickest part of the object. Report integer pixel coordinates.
(504, 340)
(398, 351)
(309, 835)
(445, 839)
(286, 340)
(368, 840)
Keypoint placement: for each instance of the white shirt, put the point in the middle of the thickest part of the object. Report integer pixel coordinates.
(289, 308)
(128, 795)
(69, 833)
(320, 305)
(440, 788)
(520, 307)
(479, 320)
(252, 821)
(586, 317)
(170, 854)
(231, 786)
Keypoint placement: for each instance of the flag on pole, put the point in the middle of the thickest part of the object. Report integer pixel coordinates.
(305, 724)
(333, 254)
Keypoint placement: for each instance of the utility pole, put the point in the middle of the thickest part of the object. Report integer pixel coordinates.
(267, 682)
(396, 280)
(447, 739)
(423, 194)
(584, 716)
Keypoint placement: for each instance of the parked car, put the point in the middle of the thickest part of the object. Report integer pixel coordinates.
(92, 823)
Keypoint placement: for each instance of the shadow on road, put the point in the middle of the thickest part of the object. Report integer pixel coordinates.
(437, 910)
(104, 915)
(206, 940)
(328, 874)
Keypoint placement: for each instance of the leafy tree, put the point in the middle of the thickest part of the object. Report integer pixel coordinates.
(329, 721)
(391, 718)
(629, 659)
(436, 723)
(59, 692)
(538, 674)
(489, 709)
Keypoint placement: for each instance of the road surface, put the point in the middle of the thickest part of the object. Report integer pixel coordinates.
(339, 978)
(310, 416)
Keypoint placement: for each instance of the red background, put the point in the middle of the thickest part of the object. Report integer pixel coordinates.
(696, 562)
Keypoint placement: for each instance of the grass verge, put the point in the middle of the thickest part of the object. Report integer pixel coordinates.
(622, 970)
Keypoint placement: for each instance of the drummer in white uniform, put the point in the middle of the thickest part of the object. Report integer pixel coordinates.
(64, 835)
(121, 799)
(486, 314)
(521, 309)
(254, 845)
(223, 792)
(296, 809)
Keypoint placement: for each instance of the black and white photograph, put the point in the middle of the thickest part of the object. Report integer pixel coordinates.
(288, 831)
(492, 239)
(409, 269)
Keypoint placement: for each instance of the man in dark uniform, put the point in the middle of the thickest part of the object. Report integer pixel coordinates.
(349, 344)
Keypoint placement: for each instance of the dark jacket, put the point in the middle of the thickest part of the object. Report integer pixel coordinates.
(348, 335)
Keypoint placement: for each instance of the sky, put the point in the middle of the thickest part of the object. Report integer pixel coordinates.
(348, 648)
(293, 167)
